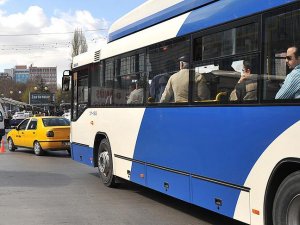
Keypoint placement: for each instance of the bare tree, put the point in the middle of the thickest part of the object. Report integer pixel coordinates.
(79, 44)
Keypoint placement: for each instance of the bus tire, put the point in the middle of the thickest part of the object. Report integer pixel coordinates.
(105, 164)
(286, 207)
(11, 145)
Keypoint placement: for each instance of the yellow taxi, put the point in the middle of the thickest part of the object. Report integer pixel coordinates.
(41, 134)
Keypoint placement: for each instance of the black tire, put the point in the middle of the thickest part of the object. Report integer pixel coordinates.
(37, 149)
(286, 207)
(11, 145)
(105, 164)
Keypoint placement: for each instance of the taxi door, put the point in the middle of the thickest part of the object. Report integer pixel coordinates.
(31, 133)
(19, 139)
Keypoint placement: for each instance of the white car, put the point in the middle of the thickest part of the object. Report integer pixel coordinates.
(18, 115)
(21, 115)
(67, 115)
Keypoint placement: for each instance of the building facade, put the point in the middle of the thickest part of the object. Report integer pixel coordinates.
(21, 74)
(48, 74)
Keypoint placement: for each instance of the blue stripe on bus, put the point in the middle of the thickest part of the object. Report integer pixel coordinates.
(82, 154)
(224, 11)
(166, 14)
(220, 143)
(219, 12)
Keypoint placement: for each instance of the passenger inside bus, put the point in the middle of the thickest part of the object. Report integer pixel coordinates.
(159, 82)
(178, 85)
(291, 86)
(137, 95)
(246, 87)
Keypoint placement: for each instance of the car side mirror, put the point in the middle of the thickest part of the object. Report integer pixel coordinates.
(66, 79)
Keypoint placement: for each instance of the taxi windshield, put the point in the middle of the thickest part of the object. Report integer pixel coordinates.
(50, 122)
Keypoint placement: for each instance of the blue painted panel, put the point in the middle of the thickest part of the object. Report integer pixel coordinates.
(179, 185)
(136, 173)
(224, 11)
(204, 195)
(82, 154)
(218, 142)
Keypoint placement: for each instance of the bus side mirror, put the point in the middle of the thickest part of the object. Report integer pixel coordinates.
(66, 80)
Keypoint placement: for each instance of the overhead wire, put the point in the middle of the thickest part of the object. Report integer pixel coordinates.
(42, 46)
(59, 33)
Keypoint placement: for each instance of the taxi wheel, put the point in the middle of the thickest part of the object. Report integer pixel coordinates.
(11, 145)
(37, 148)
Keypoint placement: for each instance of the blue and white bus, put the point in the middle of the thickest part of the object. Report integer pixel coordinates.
(239, 157)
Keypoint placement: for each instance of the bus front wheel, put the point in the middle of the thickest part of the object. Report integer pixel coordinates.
(286, 207)
(105, 164)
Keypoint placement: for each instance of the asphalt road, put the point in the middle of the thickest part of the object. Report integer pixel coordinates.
(54, 190)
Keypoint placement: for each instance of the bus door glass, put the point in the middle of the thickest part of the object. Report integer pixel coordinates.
(80, 97)
(82, 94)
(74, 112)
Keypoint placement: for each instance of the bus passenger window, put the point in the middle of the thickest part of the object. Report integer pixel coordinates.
(162, 63)
(231, 79)
(280, 34)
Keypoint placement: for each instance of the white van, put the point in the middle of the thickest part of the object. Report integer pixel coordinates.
(2, 128)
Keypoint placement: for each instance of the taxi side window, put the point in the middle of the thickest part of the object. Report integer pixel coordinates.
(23, 125)
(32, 125)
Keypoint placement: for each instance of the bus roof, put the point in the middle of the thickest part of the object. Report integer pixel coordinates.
(156, 21)
(202, 14)
(84, 59)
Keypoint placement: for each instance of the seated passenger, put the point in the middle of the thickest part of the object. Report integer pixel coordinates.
(291, 86)
(137, 95)
(201, 91)
(158, 85)
(246, 87)
(178, 85)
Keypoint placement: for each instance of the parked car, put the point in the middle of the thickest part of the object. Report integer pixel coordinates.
(14, 122)
(19, 115)
(42, 134)
(2, 127)
(67, 115)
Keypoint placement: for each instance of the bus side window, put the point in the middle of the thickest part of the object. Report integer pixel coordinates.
(280, 35)
(229, 80)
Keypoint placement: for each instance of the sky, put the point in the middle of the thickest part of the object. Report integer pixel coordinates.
(39, 32)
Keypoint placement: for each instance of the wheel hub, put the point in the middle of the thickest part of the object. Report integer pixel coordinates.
(103, 163)
(293, 213)
(36, 148)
